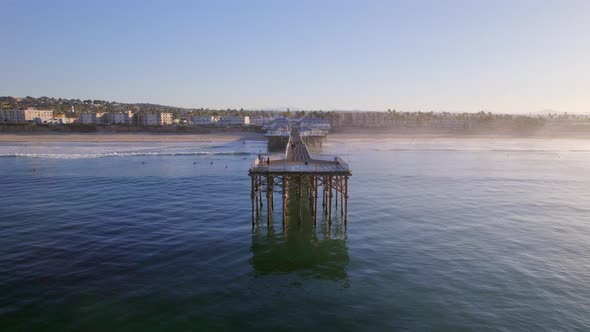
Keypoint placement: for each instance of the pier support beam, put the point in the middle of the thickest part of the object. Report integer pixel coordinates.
(299, 196)
(346, 200)
(315, 200)
(284, 194)
(330, 200)
(268, 194)
(252, 193)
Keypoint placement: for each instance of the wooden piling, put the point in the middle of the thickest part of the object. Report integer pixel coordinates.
(330, 200)
(346, 200)
(315, 200)
(284, 194)
(299, 196)
(268, 209)
(252, 199)
(341, 197)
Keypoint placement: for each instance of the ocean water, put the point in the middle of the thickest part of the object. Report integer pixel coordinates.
(465, 234)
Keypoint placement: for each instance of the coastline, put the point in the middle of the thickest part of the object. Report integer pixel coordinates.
(438, 136)
(128, 137)
(254, 136)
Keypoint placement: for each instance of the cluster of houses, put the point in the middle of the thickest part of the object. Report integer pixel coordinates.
(117, 118)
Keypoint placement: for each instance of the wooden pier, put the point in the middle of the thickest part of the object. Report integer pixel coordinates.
(300, 179)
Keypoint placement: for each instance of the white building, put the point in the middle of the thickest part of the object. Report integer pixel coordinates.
(260, 121)
(63, 119)
(117, 118)
(204, 120)
(22, 116)
(38, 116)
(154, 119)
(12, 116)
(87, 118)
(234, 120)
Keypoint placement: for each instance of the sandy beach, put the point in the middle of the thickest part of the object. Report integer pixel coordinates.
(141, 137)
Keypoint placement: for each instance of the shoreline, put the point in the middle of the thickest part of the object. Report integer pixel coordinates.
(129, 137)
(435, 136)
(254, 136)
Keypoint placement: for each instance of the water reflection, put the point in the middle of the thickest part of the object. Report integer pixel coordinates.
(300, 247)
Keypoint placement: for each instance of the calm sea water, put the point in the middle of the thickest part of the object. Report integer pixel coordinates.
(442, 235)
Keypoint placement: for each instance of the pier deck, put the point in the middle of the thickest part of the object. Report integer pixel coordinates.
(300, 175)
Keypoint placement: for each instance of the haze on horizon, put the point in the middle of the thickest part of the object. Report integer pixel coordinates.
(461, 56)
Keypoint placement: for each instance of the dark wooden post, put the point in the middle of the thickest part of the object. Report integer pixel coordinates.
(268, 193)
(330, 200)
(341, 197)
(260, 192)
(271, 187)
(324, 192)
(256, 193)
(284, 199)
(299, 194)
(315, 200)
(336, 193)
(252, 198)
(346, 200)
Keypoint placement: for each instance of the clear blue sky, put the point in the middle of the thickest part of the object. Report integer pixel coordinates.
(493, 55)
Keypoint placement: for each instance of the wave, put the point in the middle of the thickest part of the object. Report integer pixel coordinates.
(476, 150)
(119, 154)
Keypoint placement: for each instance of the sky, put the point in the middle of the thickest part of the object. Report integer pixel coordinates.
(515, 56)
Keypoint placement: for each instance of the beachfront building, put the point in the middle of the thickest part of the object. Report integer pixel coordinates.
(260, 121)
(87, 118)
(38, 116)
(204, 120)
(28, 115)
(63, 119)
(12, 116)
(117, 118)
(165, 119)
(234, 120)
(154, 119)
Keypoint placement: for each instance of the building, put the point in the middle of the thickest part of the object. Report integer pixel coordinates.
(38, 116)
(12, 116)
(234, 120)
(63, 119)
(204, 120)
(117, 118)
(261, 121)
(87, 118)
(154, 119)
(165, 119)
(28, 115)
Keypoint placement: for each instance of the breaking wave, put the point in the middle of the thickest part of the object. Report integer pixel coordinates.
(119, 154)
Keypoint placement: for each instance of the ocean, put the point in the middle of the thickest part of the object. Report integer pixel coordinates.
(442, 234)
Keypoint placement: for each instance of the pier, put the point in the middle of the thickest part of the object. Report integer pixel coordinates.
(300, 178)
(313, 132)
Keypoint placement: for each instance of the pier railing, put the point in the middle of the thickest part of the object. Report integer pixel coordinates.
(310, 167)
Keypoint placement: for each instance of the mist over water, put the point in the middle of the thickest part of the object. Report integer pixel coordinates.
(468, 234)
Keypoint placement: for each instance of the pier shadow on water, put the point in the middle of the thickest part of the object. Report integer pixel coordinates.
(310, 251)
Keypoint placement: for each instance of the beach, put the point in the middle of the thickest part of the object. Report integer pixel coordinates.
(141, 137)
